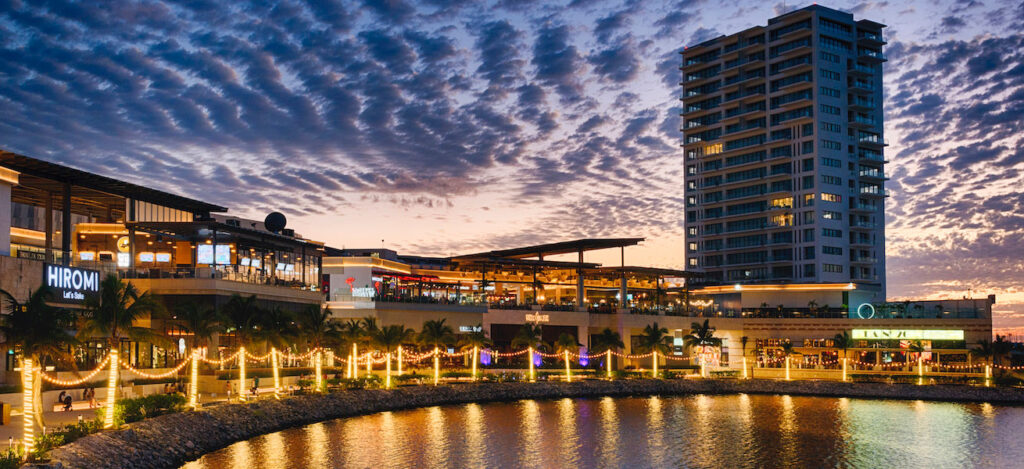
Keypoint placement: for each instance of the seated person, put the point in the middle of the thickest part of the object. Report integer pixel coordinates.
(67, 403)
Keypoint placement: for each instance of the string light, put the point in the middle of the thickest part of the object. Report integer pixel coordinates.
(532, 377)
(108, 421)
(317, 362)
(165, 374)
(568, 373)
(475, 357)
(437, 365)
(355, 361)
(241, 374)
(193, 391)
(277, 375)
(28, 411)
(223, 360)
(75, 382)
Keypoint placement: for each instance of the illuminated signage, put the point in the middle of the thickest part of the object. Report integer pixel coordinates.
(861, 311)
(71, 283)
(363, 292)
(537, 317)
(908, 334)
(205, 254)
(470, 328)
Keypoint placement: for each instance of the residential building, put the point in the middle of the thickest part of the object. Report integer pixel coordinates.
(784, 153)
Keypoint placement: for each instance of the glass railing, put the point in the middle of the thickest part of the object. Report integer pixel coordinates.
(862, 68)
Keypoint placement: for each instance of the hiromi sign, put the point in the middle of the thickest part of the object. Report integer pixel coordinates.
(71, 284)
(908, 334)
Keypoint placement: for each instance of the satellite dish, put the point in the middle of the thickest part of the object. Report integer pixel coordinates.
(275, 222)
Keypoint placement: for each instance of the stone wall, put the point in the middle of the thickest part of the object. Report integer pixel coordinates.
(171, 440)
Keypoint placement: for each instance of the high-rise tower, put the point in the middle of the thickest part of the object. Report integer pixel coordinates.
(783, 144)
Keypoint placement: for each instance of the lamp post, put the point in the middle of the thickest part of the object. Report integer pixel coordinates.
(387, 372)
(608, 362)
(399, 360)
(654, 362)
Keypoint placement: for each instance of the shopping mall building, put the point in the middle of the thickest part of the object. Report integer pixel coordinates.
(61, 226)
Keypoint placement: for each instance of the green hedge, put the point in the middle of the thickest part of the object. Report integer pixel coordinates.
(135, 409)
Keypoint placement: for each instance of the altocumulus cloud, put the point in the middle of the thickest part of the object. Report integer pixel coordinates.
(568, 106)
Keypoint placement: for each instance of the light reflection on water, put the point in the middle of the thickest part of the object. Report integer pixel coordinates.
(689, 431)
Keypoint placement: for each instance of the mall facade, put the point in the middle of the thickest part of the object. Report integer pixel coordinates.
(66, 227)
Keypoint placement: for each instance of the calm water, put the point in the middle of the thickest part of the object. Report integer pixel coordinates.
(693, 431)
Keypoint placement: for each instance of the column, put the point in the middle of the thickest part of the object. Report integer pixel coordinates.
(65, 229)
(8, 179)
(623, 292)
(580, 306)
(48, 228)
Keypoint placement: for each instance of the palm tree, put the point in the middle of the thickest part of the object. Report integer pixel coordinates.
(314, 324)
(275, 327)
(240, 314)
(477, 338)
(702, 335)
(350, 332)
(606, 340)
(203, 322)
(655, 338)
(528, 336)
(389, 338)
(743, 343)
(113, 313)
(983, 350)
(38, 331)
(566, 343)
(813, 307)
(1000, 347)
(844, 341)
(436, 333)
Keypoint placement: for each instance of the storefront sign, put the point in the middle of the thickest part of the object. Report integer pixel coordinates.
(71, 284)
(470, 328)
(537, 317)
(908, 334)
(363, 292)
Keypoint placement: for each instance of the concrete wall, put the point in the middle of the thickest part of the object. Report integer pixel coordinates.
(5, 218)
(20, 276)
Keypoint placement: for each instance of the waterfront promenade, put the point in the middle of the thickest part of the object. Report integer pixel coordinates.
(171, 440)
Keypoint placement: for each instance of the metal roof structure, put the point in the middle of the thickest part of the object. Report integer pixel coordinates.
(554, 249)
(90, 191)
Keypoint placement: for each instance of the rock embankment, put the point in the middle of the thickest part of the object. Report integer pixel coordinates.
(171, 440)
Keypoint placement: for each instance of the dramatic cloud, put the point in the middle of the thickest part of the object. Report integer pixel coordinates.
(446, 127)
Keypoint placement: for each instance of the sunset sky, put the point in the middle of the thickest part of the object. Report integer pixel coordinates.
(445, 127)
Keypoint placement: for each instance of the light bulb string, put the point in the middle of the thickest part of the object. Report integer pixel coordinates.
(73, 382)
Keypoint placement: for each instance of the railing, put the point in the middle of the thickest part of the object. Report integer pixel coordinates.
(229, 273)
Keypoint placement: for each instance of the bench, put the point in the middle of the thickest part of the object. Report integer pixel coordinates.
(76, 405)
